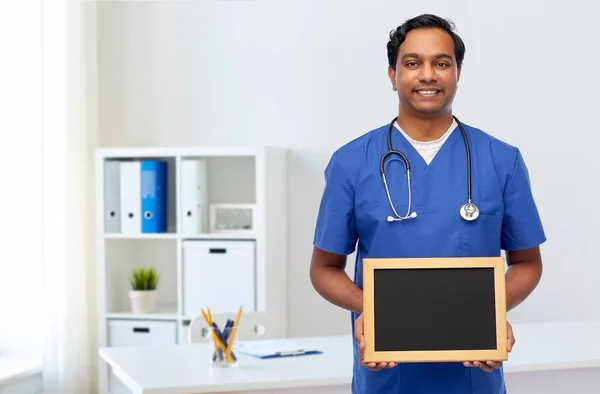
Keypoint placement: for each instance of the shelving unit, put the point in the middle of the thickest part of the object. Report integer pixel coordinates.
(234, 175)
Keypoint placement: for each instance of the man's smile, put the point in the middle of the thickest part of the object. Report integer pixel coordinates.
(427, 92)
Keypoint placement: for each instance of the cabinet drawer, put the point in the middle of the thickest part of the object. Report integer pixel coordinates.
(141, 333)
(219, 275)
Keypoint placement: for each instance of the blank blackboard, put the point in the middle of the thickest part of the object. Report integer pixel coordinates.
(450, 309)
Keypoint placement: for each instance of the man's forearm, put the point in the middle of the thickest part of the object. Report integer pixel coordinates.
(335, 286)
(521, 279)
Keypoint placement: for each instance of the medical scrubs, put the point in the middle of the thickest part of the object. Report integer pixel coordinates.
(353, 215)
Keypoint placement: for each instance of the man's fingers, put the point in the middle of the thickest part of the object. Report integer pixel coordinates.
(379, 366)
(374, 366)
(510, 337)
(359, 338)
(358, 332)
(358, 335)
(494, 364)
(486, 366)
(510, 343)
(483, 366)
(361, 342)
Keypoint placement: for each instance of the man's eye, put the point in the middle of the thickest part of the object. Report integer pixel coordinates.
(443, 64)
(411, 64)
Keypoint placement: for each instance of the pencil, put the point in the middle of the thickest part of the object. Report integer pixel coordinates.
(215, 338)
(216, 341)
(234, 332)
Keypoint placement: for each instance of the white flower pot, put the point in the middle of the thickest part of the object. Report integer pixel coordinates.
(142, 301)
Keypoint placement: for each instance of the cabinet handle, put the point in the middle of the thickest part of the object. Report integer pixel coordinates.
(217, 250)
(141, 329)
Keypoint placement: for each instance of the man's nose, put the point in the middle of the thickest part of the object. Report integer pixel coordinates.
(427, 73)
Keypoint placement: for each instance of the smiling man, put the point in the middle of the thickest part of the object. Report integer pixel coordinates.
(430, 214)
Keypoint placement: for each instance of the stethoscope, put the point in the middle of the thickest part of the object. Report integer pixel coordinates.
(469, 211)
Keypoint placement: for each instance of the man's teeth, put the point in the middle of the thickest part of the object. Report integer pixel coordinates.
(427, 92)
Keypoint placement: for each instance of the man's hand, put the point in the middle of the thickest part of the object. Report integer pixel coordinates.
(360, 339)
(488, 366)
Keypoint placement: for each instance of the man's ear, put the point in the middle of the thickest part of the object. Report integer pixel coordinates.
(392, 75)
(458, 74)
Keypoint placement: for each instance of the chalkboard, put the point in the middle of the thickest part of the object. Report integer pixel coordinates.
(440, 309)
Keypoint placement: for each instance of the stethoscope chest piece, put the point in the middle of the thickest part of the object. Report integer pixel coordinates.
(469, 211)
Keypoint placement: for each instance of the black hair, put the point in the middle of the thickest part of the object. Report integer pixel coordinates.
(398, 35)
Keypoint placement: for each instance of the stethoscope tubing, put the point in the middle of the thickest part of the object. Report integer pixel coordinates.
(406, 163)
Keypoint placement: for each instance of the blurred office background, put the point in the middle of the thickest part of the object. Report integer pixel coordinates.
(306, 75)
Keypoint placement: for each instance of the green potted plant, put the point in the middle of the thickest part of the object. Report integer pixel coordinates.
(142, 295)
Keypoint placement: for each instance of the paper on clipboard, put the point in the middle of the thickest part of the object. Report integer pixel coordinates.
(273, 348)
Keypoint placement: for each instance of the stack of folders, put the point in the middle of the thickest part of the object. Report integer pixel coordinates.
(135, 196)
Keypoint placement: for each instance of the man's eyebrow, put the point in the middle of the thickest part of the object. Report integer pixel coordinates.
(443, 56)
(412, 54)
(436, 56)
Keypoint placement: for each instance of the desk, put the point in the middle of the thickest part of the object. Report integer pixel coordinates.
(547, 358)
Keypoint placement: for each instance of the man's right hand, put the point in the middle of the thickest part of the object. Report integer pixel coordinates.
(360, 339)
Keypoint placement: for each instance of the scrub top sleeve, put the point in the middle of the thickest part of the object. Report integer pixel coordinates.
(522, 226)
(335, 228)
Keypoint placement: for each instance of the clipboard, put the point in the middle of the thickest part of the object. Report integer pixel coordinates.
(277, 348)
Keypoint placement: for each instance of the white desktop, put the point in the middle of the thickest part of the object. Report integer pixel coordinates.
(548, 358)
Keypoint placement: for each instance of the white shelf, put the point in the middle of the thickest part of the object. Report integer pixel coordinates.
(148, 316)
(220, 236)
(183, 152)
(224, 236)
(234, 175)
(183, 236)
(142, 236)
(162, 312)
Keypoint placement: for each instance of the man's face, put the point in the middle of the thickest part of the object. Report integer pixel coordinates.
(426, 74)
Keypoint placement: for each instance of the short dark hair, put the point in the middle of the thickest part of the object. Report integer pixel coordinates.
(398, 35)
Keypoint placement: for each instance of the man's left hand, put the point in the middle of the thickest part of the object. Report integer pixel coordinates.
(488, 366)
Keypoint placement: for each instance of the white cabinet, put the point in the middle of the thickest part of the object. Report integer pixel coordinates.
(219, 275)
(141, 333)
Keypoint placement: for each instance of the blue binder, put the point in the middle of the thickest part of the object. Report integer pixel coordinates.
(154, 196)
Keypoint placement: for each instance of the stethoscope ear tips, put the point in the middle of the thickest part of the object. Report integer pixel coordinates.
(413, 215)
(390, 219)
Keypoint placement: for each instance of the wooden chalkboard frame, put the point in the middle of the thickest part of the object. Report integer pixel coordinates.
(498, 354)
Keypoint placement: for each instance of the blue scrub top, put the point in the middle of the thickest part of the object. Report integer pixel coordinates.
(353, 214)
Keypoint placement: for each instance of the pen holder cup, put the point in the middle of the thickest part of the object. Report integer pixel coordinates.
(221, 351)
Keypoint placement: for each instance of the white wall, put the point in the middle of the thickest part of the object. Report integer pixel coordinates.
(310, 75)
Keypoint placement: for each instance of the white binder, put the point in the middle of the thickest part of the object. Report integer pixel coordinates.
(194, 197)
(131, 198)
(112, 197)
